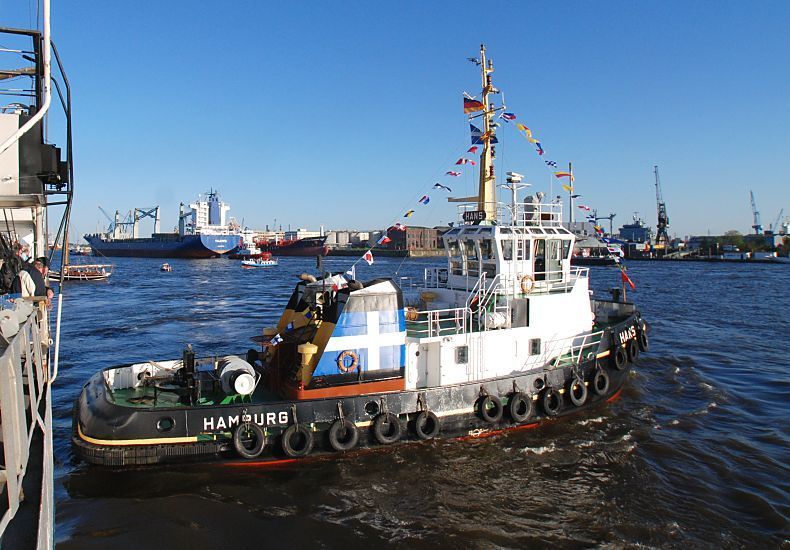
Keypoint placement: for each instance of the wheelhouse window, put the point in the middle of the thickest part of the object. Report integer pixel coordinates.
(507, 249)
(487, 255)
(456, 260)
(539, 265)
(553, 259)
(472, 259)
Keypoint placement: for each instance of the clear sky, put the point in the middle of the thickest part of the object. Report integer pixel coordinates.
(343, 114)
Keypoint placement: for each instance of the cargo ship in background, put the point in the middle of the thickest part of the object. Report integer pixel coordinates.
(203, 232)
(308, 246)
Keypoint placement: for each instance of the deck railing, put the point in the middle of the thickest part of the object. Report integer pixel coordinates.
(438, 322)
(24, 395)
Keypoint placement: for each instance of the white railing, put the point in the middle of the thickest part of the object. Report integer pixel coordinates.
(24, 365)
(524, 214)
(565, 352)
(439, 322)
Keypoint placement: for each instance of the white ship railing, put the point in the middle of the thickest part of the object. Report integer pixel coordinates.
(24, 365)
(439, 322)
(566, 352)
(525, 214)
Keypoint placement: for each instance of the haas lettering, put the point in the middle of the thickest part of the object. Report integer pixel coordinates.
(627, 334)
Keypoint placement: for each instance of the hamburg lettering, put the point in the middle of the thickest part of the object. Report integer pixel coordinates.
(229, 422)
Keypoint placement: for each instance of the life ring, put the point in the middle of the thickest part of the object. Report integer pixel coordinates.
(426, 425)
(519, 407)
(297, 441)
(490, 408)
(552, 402)
(248, 440)
(632, 348)
(341, 361)
(527, 283)
(644, 343)
(412, 314)
(619, 357)
(343, 435)
(386, 428)
(600, 382)
(577, 391)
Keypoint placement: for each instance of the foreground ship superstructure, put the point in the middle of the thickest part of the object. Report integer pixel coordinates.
(505, 335)
(203, 232)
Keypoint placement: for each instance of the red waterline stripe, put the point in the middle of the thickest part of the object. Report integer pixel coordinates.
(615, 396)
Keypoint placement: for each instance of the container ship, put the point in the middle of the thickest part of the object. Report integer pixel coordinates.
(202, 233)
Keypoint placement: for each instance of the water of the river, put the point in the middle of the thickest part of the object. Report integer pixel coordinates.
(694, 454)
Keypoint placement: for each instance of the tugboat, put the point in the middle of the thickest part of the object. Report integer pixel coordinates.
(505, 336)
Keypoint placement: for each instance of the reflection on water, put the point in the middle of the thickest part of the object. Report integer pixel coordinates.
(693, 453)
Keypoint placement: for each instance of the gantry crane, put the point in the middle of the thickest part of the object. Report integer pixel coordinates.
(757, 226)
(662, 237)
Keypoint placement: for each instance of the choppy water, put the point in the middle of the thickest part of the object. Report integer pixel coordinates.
(694, 453)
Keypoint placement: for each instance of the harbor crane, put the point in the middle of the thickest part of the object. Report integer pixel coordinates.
(775, 227)
(757, 226)
(662, 237)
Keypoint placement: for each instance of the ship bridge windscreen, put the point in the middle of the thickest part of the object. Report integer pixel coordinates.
(472, 258)
(487, 255)
(456, 259)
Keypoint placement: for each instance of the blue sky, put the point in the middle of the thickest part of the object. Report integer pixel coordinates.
(344, 114)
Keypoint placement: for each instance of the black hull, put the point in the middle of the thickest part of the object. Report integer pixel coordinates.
(120, 436)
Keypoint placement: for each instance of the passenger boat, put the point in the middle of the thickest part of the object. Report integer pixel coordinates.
(506, 335)
(265, 260)
(166, 267)
(83, 272)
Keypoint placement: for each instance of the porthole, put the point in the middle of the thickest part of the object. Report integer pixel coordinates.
(165, 424)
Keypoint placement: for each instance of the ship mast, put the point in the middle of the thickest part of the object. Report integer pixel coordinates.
(486, 194)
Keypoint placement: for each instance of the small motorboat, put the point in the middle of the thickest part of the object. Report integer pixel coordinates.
(166, 267)
(264, 261)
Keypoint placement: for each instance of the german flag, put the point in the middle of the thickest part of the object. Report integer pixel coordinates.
(472, 105)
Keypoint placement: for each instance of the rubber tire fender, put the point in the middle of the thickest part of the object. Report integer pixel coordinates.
(599, 378)
(238, 441)
(387, 428)
(582, 399)
(548, 397)
(632, 348)
(426, 425)
(287, 441)
(338, 429)
(619, 357)
(644, 342)
(496, 409)
(520, 407)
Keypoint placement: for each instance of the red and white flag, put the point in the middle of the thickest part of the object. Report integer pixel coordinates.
(368, 257)
(472, 149)
(454, 174)
(384, 240)
(465, 161)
